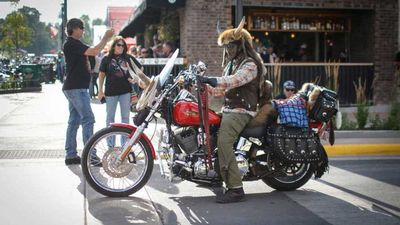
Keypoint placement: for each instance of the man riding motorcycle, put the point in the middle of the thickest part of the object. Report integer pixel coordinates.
(240, 85)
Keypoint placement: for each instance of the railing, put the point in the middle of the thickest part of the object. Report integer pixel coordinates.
(336, 76)
(153, 66)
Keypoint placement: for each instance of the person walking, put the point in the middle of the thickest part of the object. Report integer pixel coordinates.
(60, 69)
(76, 86)
(94, 87)
(114, 70)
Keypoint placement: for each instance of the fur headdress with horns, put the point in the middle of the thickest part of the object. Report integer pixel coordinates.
(235, 34)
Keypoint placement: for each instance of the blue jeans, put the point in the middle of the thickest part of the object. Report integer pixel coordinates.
(111, 106)
(80, 112)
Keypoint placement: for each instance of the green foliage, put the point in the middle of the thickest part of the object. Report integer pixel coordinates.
(41, 40)
(393, 122)
(98, 21)
(16, 32)
(2, 33)
(148, 35)
(362, 115)
(29, 33)
(169, 27)
(377, 123)
(32, 15)
(87, 35)
(347, 124)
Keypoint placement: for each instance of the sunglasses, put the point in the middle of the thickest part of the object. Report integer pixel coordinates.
(81, 27)
(120, 45)
(289, 89)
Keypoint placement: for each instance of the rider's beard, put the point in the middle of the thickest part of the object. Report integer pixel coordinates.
(237, 55)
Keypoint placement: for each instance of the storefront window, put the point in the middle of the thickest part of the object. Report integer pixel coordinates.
(306, 35)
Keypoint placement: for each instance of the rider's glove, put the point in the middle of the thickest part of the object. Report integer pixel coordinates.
(208, 80)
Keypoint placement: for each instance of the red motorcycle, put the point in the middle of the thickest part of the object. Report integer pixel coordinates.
(118, 160)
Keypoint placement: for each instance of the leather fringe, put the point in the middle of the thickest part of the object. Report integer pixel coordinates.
(322, 165)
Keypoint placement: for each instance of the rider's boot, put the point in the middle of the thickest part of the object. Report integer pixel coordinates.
(232, 195)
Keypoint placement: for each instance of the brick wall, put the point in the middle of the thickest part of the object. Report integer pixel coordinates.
(199, 32)
(199, 36)
(386, 20)
(362, 36)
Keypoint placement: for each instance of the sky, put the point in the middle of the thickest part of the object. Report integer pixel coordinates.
(50, 9)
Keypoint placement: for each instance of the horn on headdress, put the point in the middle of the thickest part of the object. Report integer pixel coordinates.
(240, 27)
(218, 27)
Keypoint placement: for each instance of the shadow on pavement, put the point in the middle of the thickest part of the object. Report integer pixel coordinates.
(77, 170)
(163, 184)
(277, 208)
(129, 210)
(376, 169)
(156, 181)
(375, 201)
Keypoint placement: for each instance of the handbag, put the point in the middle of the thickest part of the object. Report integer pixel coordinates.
(294, 144)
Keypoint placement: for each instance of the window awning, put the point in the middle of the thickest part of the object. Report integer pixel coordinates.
(148, 12)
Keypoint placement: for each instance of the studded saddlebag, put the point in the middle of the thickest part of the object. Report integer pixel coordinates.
(294, 144)
(325, 106)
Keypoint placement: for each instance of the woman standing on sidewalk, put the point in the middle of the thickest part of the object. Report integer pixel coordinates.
(114, 67)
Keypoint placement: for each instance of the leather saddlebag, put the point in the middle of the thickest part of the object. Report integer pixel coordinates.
(294, 144)
(325, 107)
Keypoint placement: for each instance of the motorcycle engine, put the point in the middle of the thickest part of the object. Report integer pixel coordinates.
(242, 162)
(200, 169)
(186, 137)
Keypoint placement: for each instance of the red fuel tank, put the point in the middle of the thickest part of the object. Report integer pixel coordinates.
(186, 113)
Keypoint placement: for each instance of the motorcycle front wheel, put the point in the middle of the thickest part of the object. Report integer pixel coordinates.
(293, 176)
(113, 179)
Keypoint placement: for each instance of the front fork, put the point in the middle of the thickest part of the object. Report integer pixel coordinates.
(127, 147)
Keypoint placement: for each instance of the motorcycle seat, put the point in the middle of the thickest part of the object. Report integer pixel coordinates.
(254, 131)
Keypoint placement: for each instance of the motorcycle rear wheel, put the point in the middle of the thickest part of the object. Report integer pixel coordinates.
(296, 175)
(100, 171)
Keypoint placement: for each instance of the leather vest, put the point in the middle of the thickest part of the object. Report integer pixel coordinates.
(245, 96)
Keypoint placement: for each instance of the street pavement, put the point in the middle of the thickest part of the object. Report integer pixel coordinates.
(37, 188)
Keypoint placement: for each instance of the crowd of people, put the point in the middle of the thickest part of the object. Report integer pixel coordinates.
(270, 54)
(158, 50)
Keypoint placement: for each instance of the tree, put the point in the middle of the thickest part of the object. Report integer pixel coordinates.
(41, 38)
(2, 34)
(32, 15)
(97, 21)
(87, 35)
(16, 32)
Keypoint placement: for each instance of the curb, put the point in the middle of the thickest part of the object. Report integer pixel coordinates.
(362, 149)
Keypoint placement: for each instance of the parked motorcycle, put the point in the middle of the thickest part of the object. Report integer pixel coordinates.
(118, 160)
